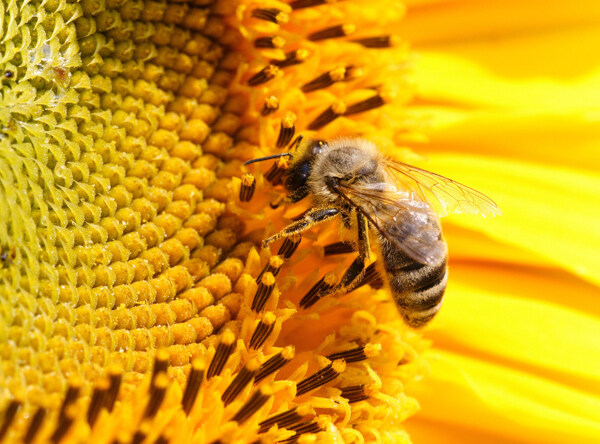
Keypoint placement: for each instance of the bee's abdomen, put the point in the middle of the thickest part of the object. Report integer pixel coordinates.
(417, 289)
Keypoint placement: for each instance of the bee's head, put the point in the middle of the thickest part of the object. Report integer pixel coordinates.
(301, 166)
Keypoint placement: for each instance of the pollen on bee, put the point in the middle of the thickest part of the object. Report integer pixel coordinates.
(247, 187)
(286, 130)
(264, 75)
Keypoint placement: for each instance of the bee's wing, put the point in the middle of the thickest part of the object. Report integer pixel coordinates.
(444, 195)
(409, 224)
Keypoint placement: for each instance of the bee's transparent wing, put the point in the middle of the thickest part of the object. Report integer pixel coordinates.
(444, 195)
(409, 224)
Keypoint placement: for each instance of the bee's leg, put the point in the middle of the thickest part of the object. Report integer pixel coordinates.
(311, 218)
(352, 276)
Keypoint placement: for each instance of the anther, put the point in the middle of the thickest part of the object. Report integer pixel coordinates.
(65, 416)
(224, 350)
(338, 248)
(262, 331)
(274, 363)
(161, 362)
(357, 354)
(70, 397)
(370, 277)
(34, 425)
(300, 4)
(289, 246)
(141, 433)
(256, 401)
(355, 393)
(264, 290)
(64, 422)
(193, 385)
(276, 172)
(273, 267)
(247, 187)
(269, 42)
(292, 58)
(9, 417)
(138, 437)
(325, 284)
(329, 78)
(157, 394)
(271, 15)
(365, 105)
(328, 116)
(115, 377)
(320, 378)
(301, 429)
(382, 41)
(243, 378)
(286, 130)
(97, 401)
(285, 419)
(264, 75)
(332, 32)
(271, 105)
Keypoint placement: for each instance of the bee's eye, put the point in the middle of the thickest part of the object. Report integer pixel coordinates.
(298, 175)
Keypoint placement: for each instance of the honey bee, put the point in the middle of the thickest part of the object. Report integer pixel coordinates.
(397, 203)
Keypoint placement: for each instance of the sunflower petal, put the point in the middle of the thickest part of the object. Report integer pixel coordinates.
(503, 402)
(514, 316)
(552, 212)
(530, 71)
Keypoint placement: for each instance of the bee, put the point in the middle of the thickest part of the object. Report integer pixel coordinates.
(395, 204)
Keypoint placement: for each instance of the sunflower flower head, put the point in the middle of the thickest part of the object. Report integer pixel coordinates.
(135, 304)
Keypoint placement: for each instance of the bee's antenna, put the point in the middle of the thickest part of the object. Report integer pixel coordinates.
(274, 156)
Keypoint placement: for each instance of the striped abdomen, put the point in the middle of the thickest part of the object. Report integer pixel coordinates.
(417, 289)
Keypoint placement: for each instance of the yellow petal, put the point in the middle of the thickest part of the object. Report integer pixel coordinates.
(552, 71)
(566, 138)
(502, 402)
(552, 212)
(432, 22)
(534, 320)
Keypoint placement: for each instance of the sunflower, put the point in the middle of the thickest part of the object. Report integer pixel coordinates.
(135, 302)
